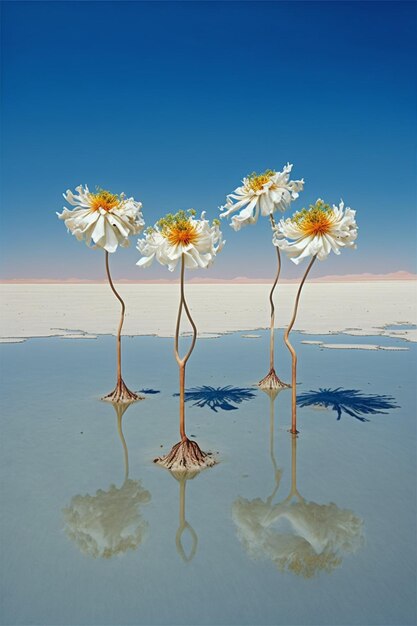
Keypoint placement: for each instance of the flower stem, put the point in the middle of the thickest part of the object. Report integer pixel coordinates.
(271, 344)
(183, 361)
(119, 330)
(271, 380)
(293, 353)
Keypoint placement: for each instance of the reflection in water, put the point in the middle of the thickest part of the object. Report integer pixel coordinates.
(218, 397)
(298, 536)
(149, 391)
(350, 401)
(183, 524)
(273, 393)
(109, 522)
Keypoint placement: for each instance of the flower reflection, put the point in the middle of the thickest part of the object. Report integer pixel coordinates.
(215, 398)
(110, 522)
(306, 537)
(350, 401)
(298, 536)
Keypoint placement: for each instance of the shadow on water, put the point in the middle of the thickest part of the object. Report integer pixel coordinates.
(298, 536)
(110, 522)
(224, 398)
(350, 401)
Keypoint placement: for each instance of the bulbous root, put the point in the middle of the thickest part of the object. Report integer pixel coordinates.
(186, 457)
(122, 394)
(271, 381)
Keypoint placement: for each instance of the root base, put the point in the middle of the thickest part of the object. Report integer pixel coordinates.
(121, 394)
(186, 458)
(271, 381)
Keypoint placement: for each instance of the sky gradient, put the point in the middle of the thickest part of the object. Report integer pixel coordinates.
(174, 102)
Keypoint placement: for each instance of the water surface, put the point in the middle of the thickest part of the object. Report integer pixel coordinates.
(94, 533)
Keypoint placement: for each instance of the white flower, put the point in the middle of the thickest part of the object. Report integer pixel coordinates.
(181, 234)
(110, 522)
(268, 192)
(316, 231)
(105, 218)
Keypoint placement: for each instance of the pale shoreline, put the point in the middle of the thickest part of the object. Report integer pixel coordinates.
(85, 310)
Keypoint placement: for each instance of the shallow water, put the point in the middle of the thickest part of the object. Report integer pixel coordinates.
(89, 527)
(400, 327)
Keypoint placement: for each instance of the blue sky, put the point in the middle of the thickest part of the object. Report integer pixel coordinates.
(174, 102)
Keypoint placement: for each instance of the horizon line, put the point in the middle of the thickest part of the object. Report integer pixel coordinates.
(365, 277)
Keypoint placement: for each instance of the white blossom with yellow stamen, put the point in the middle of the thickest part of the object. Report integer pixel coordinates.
(261, 193)
(316, 231)
(181, 234)
(105, 218)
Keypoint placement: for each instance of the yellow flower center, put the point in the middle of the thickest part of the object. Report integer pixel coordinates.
(318, 220)
(182, 233)
(103, 200)
(179, 229)
(257, 181)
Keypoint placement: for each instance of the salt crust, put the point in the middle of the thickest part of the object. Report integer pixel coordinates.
(361, 309)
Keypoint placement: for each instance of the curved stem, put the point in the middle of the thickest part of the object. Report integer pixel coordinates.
(183, 361)
(119, 330)
(293, 353)
(271, 345)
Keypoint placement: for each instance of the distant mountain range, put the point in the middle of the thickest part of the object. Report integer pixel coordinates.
(347, 278)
